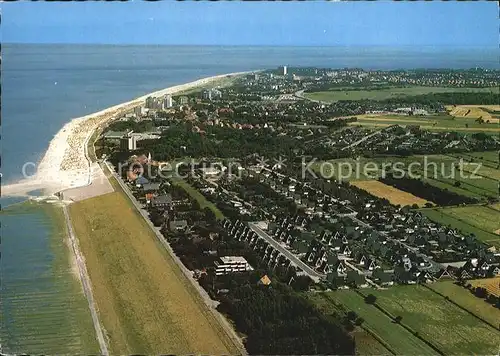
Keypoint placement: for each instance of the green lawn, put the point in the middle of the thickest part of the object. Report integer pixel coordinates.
(467, 300)
(448, 327)
(382, 94)
(400, 340)
(366, 343)
(441, 216)
(197, 196)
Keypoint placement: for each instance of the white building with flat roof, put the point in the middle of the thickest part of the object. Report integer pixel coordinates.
(231, 264)
(167, 102)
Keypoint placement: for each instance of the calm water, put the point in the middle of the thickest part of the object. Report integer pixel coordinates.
(44, 86)
(42, 308)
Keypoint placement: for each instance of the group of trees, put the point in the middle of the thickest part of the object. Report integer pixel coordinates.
(278, 321)
(482, 293)
(427, 191)
(450, 98)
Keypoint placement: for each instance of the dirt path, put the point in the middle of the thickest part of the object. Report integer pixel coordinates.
(84, 278)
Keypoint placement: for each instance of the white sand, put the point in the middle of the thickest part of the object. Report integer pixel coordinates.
(65, 164)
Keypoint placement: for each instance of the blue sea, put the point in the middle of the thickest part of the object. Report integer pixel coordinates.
(44, 86)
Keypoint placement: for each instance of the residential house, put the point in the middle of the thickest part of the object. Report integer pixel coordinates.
(178, 225)
(162, 201)
(356, 280)
(150, 187)
(383, 278)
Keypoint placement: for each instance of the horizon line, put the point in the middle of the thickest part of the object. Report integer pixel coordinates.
(251, 45)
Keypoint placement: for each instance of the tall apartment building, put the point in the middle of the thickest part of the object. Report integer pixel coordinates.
(167, 101)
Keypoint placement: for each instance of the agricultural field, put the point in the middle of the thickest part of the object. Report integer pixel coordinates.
(492, 285)
(145, 303)
(394, 195)
(437, 170)
(441, 216)
(432, 122)
(495, 206)
(467, 300)
(449, 328)
(398, 340)
(486, 112)
(196, 195)
(366, 343)
(382, 94)
(481, 217)
(489, 158)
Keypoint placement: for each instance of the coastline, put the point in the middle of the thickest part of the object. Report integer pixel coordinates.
(65, 164)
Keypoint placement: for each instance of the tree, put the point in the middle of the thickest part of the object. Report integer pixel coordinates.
(351, 315)
(370, 299)
(209, 214)
(480, 292)
(398, 319)
(359, 321)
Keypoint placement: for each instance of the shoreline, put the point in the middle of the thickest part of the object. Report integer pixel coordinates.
(65, 164)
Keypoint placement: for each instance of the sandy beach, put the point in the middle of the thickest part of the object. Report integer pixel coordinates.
(66, 164)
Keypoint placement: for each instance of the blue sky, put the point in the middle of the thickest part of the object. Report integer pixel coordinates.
(318, 23)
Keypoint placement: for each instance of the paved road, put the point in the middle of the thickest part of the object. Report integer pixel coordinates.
(84, 278)
(300, 94)
(294, 259)
(189, 275)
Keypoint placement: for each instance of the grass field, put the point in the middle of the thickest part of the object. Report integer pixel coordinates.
(382, 94)
(451, 329)
(366, 343)
(492, 285)
(398, 339)
(394, 195)
(441, 216)
(145, 303)
(196, 195)
(467, 300)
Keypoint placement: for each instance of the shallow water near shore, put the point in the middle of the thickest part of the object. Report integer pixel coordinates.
(42, 309)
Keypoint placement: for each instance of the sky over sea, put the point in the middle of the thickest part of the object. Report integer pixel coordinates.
(306, 23)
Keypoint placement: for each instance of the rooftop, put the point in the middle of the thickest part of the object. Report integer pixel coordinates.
(115, 134)
(233, 259)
